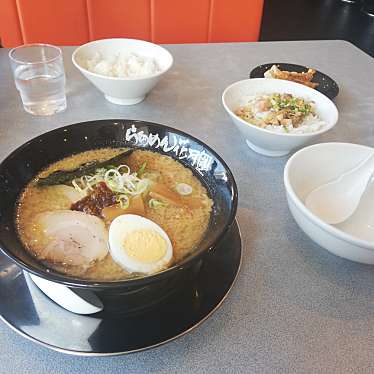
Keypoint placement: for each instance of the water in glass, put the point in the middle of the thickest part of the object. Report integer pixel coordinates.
(42, 89)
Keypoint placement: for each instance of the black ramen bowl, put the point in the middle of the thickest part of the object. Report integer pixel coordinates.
(26, 161)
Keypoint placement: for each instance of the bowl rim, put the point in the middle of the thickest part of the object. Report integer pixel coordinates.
(340, 234)
(98, 41)
(91, 284)
(307, 89)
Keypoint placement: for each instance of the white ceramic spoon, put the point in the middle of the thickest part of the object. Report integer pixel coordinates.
(336, 201)
(361, 223)
(77, 301)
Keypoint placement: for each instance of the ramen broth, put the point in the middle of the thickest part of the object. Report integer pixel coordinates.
(183, 215)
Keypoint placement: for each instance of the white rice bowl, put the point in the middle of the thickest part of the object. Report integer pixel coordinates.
(124, 70)
(275, 142)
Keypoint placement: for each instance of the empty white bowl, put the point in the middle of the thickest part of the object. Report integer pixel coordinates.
(311, 167)
(119, 90)
(267, 142)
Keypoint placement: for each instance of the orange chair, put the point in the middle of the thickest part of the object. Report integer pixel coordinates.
(74, 22)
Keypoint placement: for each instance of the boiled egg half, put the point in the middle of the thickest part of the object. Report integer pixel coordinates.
(139, 245)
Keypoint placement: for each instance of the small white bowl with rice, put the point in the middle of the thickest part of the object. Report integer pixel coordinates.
(277, 116)
(125, 70)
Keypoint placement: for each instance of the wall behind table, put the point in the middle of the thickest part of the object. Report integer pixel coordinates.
(74, 22)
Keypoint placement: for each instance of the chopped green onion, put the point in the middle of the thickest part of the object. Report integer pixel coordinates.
(296, 105)
(118, 179)
(154, 203)
(76, 185)
(124, 201)
(142, 169)
(123, 167)
(101, 171)
(142, 186)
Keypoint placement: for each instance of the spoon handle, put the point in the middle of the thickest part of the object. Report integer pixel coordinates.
(80, 302)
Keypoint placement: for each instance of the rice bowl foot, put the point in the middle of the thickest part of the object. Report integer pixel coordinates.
(118, 101)
(266, 152)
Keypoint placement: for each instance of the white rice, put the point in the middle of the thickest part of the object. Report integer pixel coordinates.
(310, 124)
(124, 65)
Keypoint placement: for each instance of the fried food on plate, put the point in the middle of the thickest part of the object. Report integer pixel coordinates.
(304, 78)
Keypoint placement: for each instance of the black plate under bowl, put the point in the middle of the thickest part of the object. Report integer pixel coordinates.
(26, 161)
(327, 85)
(30, 313)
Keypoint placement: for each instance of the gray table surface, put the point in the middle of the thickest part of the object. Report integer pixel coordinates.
(295, 307)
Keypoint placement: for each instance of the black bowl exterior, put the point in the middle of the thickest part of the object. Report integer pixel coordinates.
(26, 161)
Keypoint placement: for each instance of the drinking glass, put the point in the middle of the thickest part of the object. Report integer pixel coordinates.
(40, 78)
